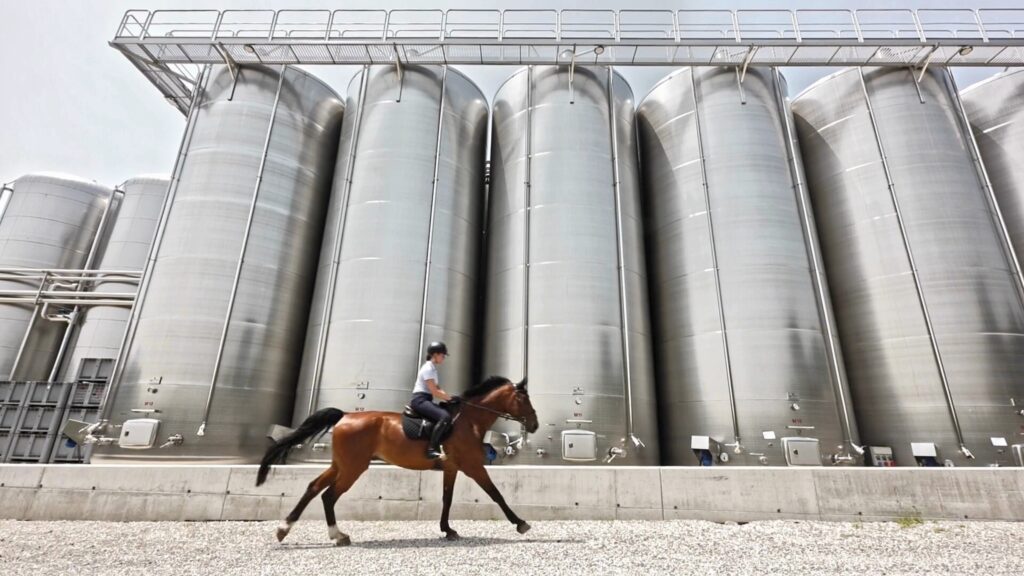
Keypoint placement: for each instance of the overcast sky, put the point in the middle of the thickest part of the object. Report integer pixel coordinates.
(70, 103)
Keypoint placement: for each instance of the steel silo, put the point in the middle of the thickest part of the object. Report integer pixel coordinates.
(744, 337)
(566, 297)
(215, 342)
(995, 109)
(101, 331)
(50, 222)
(400, 256)
(928, 307)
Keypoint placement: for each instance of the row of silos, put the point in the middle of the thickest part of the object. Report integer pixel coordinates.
(745, 338)
(52, 225)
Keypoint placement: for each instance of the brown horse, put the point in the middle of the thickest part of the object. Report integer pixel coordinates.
(359, 438)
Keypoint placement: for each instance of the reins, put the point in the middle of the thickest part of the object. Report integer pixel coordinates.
(499, 413)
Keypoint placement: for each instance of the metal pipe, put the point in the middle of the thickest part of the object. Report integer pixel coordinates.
(241, 253)
(714, 262)
(325, 317)
(30, 296)
(67, 302)
(90, 261)
(526, 221)
(986, 183)
(808, 228)
(165, 210)
(28, 332)
(6, 193)
(620, 253)
(913, 265)
(433, 208)
(69, 272)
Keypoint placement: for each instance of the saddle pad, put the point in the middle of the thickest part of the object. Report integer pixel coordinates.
(416, 428)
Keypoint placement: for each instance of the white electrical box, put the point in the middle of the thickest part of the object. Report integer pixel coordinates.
(700, 442)
(138, 433)
(802, 451)
(923, 450)
(579, 445)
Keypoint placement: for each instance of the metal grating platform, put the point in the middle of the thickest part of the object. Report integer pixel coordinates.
(168, 46)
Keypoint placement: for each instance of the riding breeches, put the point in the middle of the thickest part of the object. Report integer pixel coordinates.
(423, 404)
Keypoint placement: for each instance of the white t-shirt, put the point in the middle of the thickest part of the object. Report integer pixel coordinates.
(427, 372)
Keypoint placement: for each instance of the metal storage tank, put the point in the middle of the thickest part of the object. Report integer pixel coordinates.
(215, 341)
(995, 109)
(928, 308)
(125, 248)
(50, 222)
(746, 352)
(400, 256)
(566, 300)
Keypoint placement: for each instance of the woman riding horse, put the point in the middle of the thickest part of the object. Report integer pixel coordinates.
(428, 387)
(360, 437)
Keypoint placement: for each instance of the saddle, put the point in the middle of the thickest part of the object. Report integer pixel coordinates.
(418, 427)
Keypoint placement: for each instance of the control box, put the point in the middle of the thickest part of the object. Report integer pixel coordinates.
(579, 445)
(139, 433)
(802, 451)
(881, 456)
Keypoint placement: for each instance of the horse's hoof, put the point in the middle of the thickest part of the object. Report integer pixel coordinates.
(283, 531)
(344, 540)
(452, 535)
(523, 528)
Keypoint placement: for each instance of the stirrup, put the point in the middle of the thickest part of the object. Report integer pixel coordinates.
(437, 454)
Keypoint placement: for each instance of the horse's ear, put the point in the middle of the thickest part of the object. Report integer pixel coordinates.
(521, 386)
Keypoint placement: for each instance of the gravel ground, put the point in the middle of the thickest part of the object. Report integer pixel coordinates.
(494, 548)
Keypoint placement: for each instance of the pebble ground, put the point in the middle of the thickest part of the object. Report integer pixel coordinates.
(495, 549)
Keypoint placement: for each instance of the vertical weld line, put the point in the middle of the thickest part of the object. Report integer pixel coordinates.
(433, 212)
(526, 222)
(339, 235)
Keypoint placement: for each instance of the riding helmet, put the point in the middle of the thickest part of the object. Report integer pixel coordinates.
(437, 348)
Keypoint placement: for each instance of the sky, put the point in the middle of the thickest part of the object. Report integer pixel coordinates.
(70, 103)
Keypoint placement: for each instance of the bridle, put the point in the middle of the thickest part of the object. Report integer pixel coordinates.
(498, 413)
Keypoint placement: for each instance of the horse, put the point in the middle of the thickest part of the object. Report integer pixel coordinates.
(360, 437)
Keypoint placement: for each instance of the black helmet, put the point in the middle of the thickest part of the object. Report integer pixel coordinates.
(436, 348)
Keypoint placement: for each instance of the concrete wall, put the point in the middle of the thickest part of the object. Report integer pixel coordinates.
(123, 493)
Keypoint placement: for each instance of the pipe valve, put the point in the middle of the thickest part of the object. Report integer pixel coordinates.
(173, 440)
(613, 453)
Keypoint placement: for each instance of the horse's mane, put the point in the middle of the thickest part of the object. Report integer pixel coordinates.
(486, 386)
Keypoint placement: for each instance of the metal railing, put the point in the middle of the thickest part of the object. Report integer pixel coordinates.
(737, 25)
(169, 46)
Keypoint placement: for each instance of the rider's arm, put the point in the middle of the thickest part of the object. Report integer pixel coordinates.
(437, 392)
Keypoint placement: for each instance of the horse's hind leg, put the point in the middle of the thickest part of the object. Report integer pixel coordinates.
(322, 481)
(344, 480)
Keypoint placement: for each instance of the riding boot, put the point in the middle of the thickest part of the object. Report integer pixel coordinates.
(440, 428)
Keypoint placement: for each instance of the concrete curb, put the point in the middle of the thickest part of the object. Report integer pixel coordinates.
(740, 494)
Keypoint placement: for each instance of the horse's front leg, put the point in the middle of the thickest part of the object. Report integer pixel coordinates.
(446, 499)
(479, 474)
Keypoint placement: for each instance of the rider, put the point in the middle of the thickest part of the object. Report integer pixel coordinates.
(425, 390)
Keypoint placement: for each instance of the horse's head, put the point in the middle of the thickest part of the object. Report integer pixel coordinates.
(521, 407)
(502, 395)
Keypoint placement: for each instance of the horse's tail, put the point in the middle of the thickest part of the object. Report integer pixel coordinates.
(318, 423)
